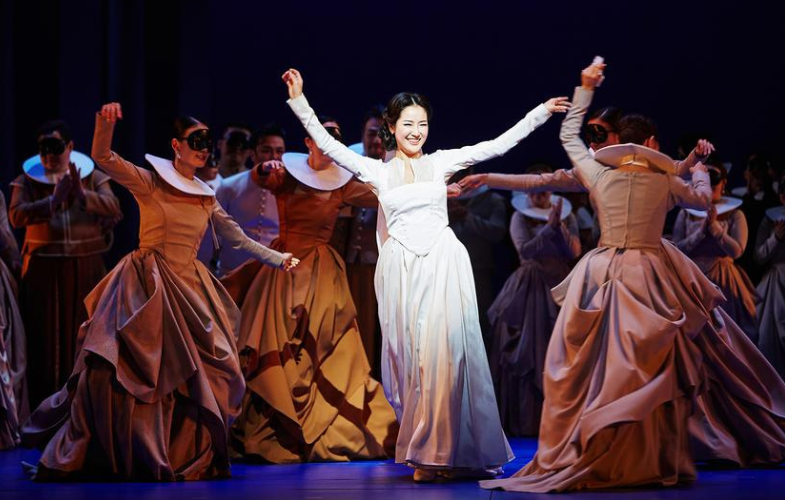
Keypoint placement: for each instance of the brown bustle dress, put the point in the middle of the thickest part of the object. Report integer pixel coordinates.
(310, 395)
(157, 382)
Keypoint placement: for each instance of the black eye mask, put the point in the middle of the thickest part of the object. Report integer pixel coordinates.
(51, 146)
(200, 140)
(595, 134)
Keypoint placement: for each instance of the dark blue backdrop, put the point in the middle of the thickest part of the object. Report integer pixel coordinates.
(693, 66)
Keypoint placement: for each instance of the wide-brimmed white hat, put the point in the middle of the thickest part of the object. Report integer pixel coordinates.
(34, 169)
(171, 176)
(328, 179)
(620, 155)
(776, 213)
(739, 191)
(522, 203)
(723, 206)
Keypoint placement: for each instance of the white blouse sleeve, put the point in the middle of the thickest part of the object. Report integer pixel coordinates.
(447, 162)
(364, 168)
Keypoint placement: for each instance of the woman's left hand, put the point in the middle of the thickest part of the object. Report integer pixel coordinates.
(558, 105)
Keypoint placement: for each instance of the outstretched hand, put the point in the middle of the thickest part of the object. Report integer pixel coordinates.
(472, 182)
(294, 81)
(111, 112)
(289, 262)
(558, 105)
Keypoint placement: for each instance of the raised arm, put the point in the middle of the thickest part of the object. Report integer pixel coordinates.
(580, 156)
(138, 180)
(366, 169)
(231, 234)
(453, 160)
(699, 154)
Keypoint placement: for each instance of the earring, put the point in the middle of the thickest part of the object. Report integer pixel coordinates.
(179, 157)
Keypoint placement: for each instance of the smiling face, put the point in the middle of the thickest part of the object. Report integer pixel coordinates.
(411, 130)
(187, 155)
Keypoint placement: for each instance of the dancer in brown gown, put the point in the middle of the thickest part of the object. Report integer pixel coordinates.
(310, 395)
(157, 381)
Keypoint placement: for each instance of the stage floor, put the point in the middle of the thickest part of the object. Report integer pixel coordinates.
(367, 480)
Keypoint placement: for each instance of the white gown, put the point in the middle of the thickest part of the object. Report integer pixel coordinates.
(434, 367)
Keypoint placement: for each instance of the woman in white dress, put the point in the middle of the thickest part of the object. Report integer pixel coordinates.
(434, 368)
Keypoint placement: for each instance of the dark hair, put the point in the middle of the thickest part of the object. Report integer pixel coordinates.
(183, 123)
(267, 130)
(636, 129)
(717, 172)
(53, 126)
(610, 115)
(376, 112)
(237, 125)
(539, 168)
(393, 111)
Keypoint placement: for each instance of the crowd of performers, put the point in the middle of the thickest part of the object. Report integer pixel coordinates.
(271, 291)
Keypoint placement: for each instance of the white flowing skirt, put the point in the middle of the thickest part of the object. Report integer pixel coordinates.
(434, 367)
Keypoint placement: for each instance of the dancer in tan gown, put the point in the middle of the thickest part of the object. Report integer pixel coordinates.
(157, 381)
(310, 395)
(640, 340)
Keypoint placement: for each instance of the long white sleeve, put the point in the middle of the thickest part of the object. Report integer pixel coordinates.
(364, 168)
(450, 161)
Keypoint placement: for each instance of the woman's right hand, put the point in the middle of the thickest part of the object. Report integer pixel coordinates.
(294, 81)
(471, 182)
(289, 262)
(111, 112)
